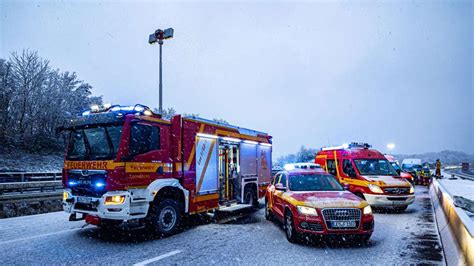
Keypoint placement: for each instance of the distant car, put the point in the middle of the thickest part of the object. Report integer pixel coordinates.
(404, 174)
(311, 201)
(413, 167)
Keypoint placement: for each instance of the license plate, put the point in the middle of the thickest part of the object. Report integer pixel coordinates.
(343, 224)
(85, 200)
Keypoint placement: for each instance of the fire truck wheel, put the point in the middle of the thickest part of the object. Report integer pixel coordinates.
(250, 197)
(268, 212)
(165, 217)
(290, 230)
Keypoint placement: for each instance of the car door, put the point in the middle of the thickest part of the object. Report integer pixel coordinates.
(271, 191)
(278, 208)
(148, 153)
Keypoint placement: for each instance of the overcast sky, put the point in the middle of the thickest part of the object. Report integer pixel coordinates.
(312, 73)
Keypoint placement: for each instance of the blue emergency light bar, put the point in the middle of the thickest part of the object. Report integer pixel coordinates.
(352, 145)
(119, 109)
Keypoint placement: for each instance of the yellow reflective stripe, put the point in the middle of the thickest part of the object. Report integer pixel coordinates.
(337, 165)
(141, 167)
(193, 150)
(205, 197)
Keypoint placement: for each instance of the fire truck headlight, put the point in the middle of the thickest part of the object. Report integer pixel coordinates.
(367, 210)
(307, 210)
(412, 189)
(375, 189)
(99, 185)
(114, 200)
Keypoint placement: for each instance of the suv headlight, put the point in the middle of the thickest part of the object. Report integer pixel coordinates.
(367, 210)
(307, 210)
(375, 189)
(412, 189)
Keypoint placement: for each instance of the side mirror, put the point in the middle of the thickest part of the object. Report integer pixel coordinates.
(398, 171)
(280, 187)
(346, 186)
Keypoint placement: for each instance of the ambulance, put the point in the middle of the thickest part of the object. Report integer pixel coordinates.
(368, 174)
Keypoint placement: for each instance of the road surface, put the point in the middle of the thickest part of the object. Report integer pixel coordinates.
(409, 237)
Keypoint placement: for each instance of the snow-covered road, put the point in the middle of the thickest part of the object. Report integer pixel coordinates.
(410, 237)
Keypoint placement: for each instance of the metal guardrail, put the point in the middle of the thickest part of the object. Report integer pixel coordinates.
(460, 174)
(22, 186)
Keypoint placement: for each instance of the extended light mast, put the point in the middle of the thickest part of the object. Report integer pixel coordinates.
(158, 36)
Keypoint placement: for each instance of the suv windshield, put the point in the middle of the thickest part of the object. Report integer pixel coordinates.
(94, 143)
(320, 182)
(375, 167)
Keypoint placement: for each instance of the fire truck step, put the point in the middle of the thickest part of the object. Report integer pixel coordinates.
(235, 207)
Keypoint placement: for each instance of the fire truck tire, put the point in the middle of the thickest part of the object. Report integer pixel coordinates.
(268, 212)
(290, 230)
(250, 197)
(165, 217)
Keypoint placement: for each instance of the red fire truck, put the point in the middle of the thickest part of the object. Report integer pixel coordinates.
(128, 164)
(368, 174)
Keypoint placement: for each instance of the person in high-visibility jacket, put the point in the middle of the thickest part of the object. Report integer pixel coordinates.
(422, 178)
(438, 168)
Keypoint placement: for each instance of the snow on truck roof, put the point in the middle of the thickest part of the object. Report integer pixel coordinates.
(244, 131)
(108, 113)
(356, 150)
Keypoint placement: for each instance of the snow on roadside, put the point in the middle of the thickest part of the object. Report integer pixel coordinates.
(26, 162)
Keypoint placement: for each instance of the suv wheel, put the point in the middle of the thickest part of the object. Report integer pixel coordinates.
(165, 217)
(268, 212)
(290, 230)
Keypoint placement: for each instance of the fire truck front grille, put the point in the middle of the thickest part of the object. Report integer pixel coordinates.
(342, 218)
(397, 190)
(84, 183)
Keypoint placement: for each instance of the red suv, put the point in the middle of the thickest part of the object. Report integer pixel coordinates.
(312, 201)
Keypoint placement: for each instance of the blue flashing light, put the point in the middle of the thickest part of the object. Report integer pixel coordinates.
(137, 109)
(72, 183)
(99, 185)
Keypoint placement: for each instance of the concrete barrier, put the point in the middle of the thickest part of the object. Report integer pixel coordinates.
(457, 221)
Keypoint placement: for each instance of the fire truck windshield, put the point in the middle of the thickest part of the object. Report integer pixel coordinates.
(375, 167)
(322, 182)
(94, 143)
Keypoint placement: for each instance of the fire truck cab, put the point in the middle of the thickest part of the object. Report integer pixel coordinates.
(368, 174)
(128, 164)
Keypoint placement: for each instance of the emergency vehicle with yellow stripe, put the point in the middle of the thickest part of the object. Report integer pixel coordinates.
(128, 164)
(309, 201)
(368, 174)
